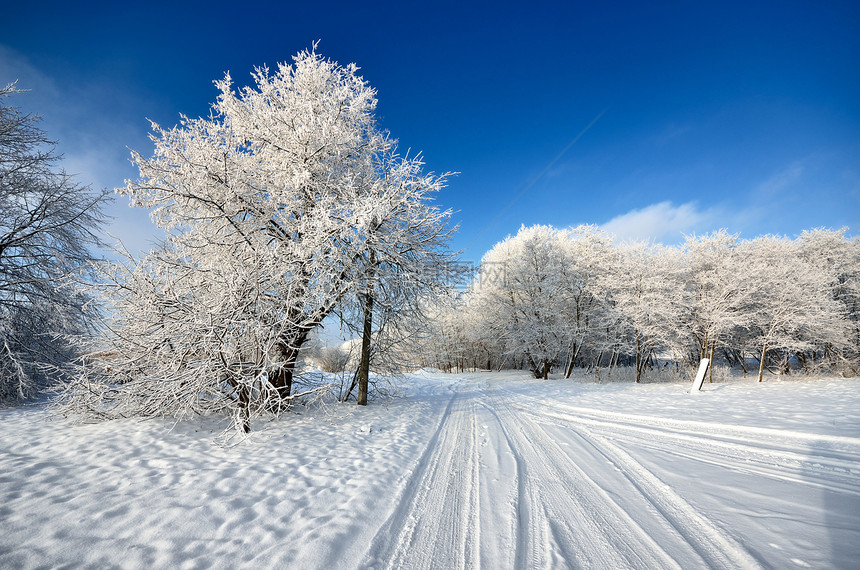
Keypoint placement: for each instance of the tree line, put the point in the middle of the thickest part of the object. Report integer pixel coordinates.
(552, 299)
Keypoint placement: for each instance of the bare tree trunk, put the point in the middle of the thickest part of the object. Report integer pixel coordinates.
(290, 349)
(534, 366)
(613, 361)
(761, 364)
(576, 347)
(569, 368)
(711, 367)
(364, 366)
(801, 358)
(245, 408)
(639, 363)
(784, 364)
(283, 381)
(595, 364)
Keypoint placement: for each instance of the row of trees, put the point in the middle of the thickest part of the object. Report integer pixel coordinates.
(560, 298)
(285, 208)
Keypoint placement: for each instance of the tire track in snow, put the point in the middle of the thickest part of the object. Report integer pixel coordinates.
(838, 448)
(502, 486)
(788, 456)
(573, 521)
(716, 548)
(531, 532)
(433, 524)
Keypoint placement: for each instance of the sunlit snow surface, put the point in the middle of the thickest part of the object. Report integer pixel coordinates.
(479, 470)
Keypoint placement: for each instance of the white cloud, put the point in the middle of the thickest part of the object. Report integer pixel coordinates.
(659, 222)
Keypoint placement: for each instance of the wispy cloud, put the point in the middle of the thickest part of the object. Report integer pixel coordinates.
(781, 180)
(92, 137)
(670, 133)
(15, 67)
(660, 222)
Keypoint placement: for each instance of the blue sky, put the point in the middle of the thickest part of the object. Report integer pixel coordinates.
(741, 116)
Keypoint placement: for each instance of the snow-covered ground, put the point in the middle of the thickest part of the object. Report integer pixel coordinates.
(478, 470)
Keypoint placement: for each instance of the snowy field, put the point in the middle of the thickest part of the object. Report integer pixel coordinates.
(478, 470)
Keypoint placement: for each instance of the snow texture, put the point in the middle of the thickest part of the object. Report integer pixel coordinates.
(489, 470)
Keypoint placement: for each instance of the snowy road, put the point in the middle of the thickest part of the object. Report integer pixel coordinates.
(514, 481)
(478, 471)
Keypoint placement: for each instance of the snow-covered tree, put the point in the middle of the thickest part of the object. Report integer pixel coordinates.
(445, 341)
(524, 305)
(405, 258)
(717, 305)
(460, 334)
(587, 253)
(48, 225)
(275, 207)
(792, 308)
(548, 296)
(832, 253)
(644, 289)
